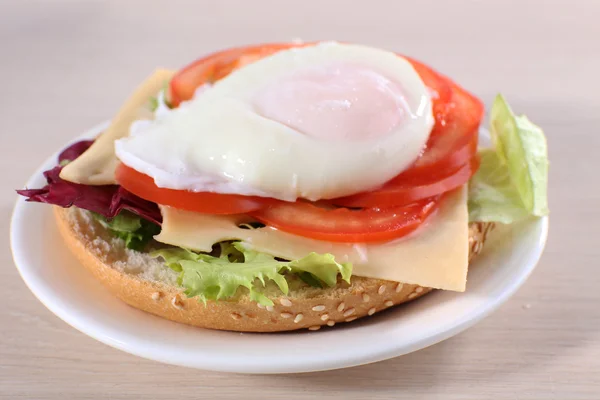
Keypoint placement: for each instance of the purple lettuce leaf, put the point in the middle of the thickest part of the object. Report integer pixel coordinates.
(107, 200)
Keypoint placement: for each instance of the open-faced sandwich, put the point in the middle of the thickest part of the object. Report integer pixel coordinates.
(286, 186)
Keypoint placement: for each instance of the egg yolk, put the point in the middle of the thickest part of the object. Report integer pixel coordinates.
(335, 102)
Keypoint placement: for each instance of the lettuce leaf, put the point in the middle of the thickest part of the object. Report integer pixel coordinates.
(219, 275)
(492, 196)
(323, 267)
(135, 231)
(153, 103)
(512, 180)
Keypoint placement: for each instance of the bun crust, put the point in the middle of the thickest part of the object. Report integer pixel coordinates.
(146, 284)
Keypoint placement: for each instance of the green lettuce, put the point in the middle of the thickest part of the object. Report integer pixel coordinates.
(153, 103)
(232, 265)
(135, 231)
(512, 180)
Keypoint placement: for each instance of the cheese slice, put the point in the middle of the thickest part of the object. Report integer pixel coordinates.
(436, 255)
(97, 165)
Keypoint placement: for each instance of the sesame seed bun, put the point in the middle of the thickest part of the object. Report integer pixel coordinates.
(147, 284)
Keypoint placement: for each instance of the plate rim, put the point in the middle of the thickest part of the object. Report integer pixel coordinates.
(348, 360)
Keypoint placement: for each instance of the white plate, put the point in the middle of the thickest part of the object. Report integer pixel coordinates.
(70, 292)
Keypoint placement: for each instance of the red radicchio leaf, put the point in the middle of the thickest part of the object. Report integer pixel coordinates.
(74, 150)
(107, 200)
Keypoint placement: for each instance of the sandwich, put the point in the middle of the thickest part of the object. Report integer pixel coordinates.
(293, 186)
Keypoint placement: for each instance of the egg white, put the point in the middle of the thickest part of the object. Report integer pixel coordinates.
(217, 142)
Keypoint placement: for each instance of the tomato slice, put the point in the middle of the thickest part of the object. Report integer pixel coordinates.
(439, 89)
(216, 66)
(405, 191)
(220, 64)
(203, 202)
(344, 225)
(454, 144)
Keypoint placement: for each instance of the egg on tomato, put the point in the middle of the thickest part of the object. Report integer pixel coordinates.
(316, 122)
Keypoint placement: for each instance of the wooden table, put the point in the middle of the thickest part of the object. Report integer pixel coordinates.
(66, 65)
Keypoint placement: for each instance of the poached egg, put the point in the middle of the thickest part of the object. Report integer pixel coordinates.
(315, 122)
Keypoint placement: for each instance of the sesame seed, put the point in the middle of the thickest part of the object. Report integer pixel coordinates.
(371, 311)
(412, 295)
(260, 306)
(269, 308)
(341, 307)
(314, 328)
(176, 303)
(285, 302)
(418, 290)
(236, 316)
(389, 303)
(381, 289)
(330, 323)
(350, 319)
(366, 297)
(155, 296)
(298, 318)
(399, 287)
(349, 312)
(324, 317)
(319, 308)
(286, 315)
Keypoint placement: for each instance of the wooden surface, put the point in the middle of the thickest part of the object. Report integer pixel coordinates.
(66, 65)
